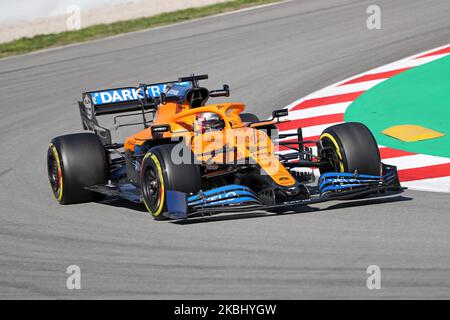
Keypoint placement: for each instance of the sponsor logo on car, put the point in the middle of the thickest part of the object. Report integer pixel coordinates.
(129, 94)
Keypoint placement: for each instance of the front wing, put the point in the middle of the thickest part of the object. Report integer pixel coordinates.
(331, 186)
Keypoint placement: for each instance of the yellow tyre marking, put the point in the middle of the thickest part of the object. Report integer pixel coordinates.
(336, 145)
(160, 174)
(60, 176)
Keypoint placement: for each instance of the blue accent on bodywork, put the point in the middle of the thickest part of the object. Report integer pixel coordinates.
(178, 90)
(344, 187)
(329, 181)
(223, 196)
(176, 204)
(232, 187)
(340, 181)
(132, 94)
(332, 185)
(235, 201)
(232, 194)
(347, 175)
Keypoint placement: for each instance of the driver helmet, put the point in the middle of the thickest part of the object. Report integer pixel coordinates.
(209, 121)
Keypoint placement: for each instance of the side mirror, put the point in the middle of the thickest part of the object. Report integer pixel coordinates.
(224, 92)
(160, 129)
(279, 113)
(226, 89)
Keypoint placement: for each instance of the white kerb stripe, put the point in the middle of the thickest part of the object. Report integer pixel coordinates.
(319, 111)
(348, 88)
(416, 161)
(435, 184)
(309, 131)
(408, 63)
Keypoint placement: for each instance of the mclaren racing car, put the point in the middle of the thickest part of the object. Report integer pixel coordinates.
(195, 158)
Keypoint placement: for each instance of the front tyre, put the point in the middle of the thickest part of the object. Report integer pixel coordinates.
(350, 147)
(74, 162)
(159, 173)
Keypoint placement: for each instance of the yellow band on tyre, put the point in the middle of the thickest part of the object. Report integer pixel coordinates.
(338, 150)
(161, 178)
(60, 176)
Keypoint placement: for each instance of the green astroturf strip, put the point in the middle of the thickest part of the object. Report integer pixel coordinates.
(418, 96)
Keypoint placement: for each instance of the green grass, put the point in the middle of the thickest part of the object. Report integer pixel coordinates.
(25, 45)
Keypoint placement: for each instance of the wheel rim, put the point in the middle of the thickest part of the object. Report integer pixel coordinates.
(54, 175)
(333, 158)
(152, 188)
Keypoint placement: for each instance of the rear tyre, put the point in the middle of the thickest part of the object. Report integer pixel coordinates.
(159, 174)
(353, 149)
(74, 162)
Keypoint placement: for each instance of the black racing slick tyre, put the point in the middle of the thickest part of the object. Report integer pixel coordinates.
(159, 174)
(74, 162)
(353, 149)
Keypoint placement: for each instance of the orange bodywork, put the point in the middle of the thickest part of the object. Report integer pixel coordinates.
(236, 143)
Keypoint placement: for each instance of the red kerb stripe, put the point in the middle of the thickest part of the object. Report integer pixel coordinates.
(313, 121)
(428, 172)
(386, 153)
(375, 76)
(327, 100)
(434, 53)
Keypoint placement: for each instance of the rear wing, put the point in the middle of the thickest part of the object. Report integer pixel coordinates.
(121, 100)
(124, 99)
(144, 99)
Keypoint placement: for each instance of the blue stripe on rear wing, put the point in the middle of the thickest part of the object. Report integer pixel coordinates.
(122, 99)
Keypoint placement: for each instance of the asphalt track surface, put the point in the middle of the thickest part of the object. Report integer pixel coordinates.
(270, 57)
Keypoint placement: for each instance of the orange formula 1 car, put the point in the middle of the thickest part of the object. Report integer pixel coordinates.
(192, 158)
